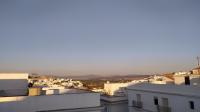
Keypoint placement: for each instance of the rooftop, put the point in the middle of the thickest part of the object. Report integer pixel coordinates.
(69, 91)
(182, 90)
(196, 68)
(113, 99)
(14, 75)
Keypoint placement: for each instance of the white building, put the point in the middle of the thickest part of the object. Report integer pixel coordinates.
(13, 84)
(49, 91)
(76, 101)
(114, 103)
(163, 98)
(118, 89)
(115, 88)
(196, 70)
(187, 79)
(161, 80)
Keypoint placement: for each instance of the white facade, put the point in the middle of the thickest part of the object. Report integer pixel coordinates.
(192, 79)
(163, 98)
(196, 71)
(46, 91)
(161, 80)
(114, 103)
(72, 102)
(118, 89)
(13, 84)
(115, 88)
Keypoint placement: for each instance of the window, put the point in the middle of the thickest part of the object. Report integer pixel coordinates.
(165, 102)
(191, 105)
(138, 97)
(187, 80)
(155, 100)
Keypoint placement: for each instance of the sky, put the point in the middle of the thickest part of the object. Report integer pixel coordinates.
(103, 37)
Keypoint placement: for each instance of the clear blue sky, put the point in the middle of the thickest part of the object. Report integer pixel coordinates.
(80, 37)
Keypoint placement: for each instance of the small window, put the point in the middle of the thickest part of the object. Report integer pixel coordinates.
(191, 105)
(165, 102)
(187, 80)
(138, 96)
(155, 100)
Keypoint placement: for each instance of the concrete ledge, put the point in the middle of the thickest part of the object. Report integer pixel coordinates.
(87, 109)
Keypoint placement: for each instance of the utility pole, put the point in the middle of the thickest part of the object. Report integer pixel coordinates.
(198, 61)
(198, 65)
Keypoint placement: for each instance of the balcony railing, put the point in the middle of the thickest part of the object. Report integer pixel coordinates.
(137, 104)
(163, 109)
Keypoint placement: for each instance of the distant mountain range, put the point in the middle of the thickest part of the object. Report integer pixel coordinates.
(95, 77)
(111, 77)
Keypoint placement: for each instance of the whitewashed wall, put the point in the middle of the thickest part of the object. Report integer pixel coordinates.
(179, 80)
(46, 91)
(194, 79)
(51, 102)
(177, 103)
(114, 88)
(13, 84)
(116, 107)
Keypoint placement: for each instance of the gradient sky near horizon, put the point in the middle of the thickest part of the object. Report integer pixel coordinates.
(79, 37)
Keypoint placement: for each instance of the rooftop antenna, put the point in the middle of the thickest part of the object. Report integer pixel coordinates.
(198, 60)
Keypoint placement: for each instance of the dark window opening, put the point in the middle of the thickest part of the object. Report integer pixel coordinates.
(187, 80)
(155, 101)
(191, 105)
